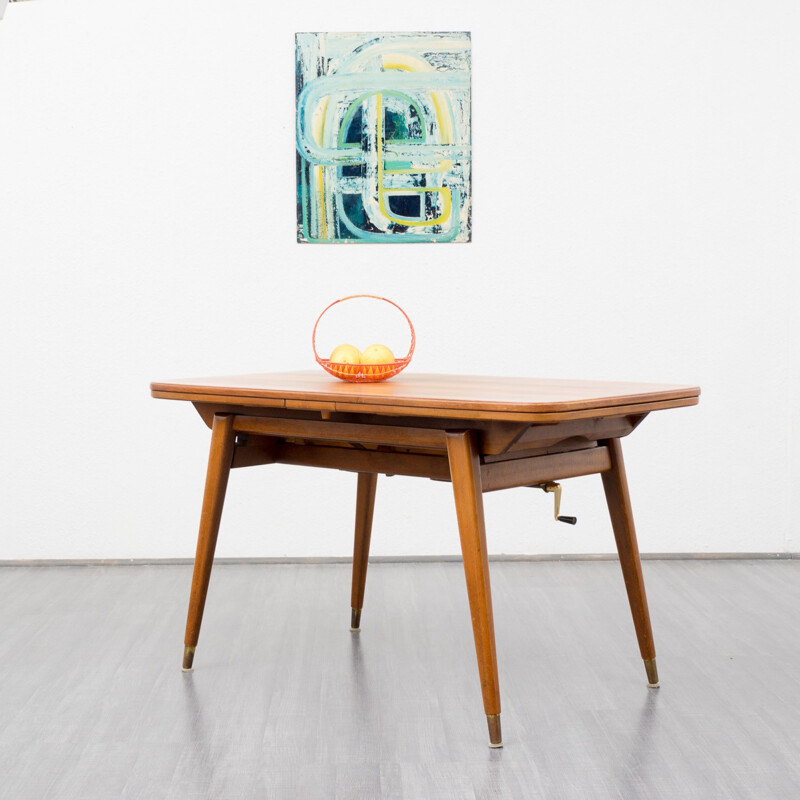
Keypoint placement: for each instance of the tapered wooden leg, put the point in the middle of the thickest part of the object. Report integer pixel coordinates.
(462, 451)
(219, 465)
(365, 505)
(615, 484)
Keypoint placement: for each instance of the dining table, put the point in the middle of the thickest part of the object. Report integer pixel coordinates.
(479, 433)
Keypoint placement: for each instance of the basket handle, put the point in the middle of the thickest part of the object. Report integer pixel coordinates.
(373, 297)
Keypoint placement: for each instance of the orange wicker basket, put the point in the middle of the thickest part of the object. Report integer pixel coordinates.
(364, 372)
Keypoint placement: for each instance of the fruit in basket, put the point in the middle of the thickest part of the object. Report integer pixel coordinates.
(377, 354)
(346, 354)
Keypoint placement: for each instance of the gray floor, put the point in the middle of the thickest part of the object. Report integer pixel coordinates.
(286, 703)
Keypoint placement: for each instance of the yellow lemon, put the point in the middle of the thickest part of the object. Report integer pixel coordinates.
(346, 354)
(377, 354)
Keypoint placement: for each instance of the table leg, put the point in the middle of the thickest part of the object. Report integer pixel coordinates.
(219, 465)
(365, 505)
(615, 484)
(465, 472)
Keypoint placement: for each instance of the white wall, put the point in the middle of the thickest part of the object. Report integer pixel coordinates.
(636, 203)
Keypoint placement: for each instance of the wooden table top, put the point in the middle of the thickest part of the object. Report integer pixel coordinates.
(434, 395)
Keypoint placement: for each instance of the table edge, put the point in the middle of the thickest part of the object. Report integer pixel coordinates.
(522, 412)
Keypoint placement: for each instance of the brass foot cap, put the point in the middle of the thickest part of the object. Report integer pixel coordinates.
(652, 672)
(355, 619)
(495, 736)
(188, 658)
(653, 685)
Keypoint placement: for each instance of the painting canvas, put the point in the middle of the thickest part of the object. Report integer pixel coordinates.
(383, 137)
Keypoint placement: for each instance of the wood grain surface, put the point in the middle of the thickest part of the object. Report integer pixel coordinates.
(439, 395)
(365, 508)
(219, 465)
(462, 451)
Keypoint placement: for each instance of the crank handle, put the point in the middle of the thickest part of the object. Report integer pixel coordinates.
(555, 488)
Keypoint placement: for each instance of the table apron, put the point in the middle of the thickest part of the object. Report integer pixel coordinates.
(538, 469)
(350, 457)
(397, 436)
(418, 465)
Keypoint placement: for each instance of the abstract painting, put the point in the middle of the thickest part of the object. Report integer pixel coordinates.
(383, 137)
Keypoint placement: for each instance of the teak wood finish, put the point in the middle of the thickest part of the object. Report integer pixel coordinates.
(480, 433)
(365, 506)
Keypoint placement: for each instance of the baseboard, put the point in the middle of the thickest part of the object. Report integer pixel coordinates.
(141, 562)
